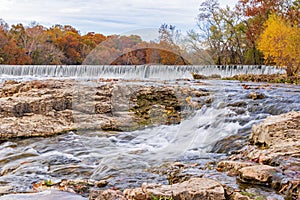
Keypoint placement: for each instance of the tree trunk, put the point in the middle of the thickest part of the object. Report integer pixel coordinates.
(289, 71)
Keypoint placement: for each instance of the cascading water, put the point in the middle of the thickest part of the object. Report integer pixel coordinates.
(122, 158)
(133, 72)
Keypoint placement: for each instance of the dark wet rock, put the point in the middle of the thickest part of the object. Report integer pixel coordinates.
(45, 108)
(198, 76)
(229, 144)
(178, 172)
(215, 76)
(256, 95)
(238, 104)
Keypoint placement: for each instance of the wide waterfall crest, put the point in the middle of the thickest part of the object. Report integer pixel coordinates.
(165, 72)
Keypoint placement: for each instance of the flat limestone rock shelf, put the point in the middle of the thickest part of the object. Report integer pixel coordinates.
(45, 108)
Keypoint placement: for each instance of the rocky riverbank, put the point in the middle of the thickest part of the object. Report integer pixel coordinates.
(270, 160)
(45, 108)
(270, 78)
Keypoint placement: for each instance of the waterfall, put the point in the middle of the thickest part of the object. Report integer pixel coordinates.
(165, 72)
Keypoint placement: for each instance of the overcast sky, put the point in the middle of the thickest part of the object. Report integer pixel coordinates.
(104, 16)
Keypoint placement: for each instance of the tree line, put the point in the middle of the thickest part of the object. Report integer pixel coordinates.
(253, 32)
(64, 45)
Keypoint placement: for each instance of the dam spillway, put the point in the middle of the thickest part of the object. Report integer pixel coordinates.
(164, 72)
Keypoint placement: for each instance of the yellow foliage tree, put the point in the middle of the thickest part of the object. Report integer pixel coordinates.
(280, 43)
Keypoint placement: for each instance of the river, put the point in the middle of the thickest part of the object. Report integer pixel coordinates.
(124, 158)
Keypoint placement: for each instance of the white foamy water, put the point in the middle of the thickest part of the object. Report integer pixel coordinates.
(195, 135)
(161, 72)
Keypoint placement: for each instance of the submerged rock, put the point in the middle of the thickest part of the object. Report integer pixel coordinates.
(45, 108)
(256, 95)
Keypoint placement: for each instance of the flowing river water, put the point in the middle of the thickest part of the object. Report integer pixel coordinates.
(125, 159)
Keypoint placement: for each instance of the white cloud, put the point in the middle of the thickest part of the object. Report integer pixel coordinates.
(104, 16)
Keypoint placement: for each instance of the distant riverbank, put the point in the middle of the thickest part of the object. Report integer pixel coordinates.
(270, 78)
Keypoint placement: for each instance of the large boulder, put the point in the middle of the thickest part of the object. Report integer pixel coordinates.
(274, 148)
(276, 130)
(275, 137)
(258, 174)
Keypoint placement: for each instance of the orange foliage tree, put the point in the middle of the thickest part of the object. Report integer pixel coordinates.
(10, 53)
(38, 45)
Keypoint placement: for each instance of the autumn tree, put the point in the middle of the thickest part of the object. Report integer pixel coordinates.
(168, 46)
(89, 42)
(10, 53)
(38, 45)
(280, 43)
(255, 14)
(70, 44)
